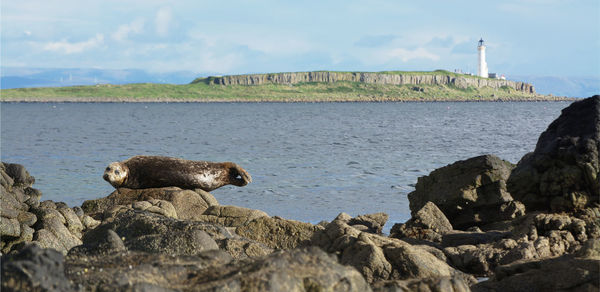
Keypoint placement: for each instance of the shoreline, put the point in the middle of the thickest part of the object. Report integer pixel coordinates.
(379, 100)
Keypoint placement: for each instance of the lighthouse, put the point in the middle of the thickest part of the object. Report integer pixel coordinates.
(482, 69)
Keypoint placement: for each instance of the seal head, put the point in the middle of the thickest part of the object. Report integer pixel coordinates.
(116, 174)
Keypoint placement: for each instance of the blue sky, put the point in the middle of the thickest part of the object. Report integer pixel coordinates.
(524, 37)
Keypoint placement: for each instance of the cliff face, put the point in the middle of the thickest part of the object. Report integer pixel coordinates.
(367, 77)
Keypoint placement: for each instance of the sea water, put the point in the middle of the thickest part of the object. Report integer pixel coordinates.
(308, 161)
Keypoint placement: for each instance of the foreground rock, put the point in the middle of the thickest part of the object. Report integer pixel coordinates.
(34, 269)
(579, 272)
(562, 174)
(470, 192)
(24, 219)
(381, 258)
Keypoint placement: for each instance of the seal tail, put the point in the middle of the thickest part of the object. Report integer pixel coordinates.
(241, 176)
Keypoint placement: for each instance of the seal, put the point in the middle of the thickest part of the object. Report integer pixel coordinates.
(141, 172)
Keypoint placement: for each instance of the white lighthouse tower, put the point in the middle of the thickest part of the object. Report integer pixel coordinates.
(482, 69)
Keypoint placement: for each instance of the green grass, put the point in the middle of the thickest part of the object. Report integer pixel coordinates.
(202, 90)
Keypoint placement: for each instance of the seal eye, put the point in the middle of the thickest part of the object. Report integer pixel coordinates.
(108, 169)
(116, 172)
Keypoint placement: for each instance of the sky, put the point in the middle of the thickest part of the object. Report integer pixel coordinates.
(523, 37)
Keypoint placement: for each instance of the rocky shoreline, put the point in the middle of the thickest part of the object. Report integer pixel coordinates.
(534, 226)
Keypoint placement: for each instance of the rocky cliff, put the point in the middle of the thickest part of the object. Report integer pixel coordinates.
(389, 78)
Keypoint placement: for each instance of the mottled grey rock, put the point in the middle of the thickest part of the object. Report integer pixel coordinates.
(562, 173)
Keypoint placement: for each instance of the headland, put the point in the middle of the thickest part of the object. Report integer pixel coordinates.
(316, 86)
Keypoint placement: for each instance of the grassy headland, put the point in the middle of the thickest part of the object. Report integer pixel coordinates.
(338, 89)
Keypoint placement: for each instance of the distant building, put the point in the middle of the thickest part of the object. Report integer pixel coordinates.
(493, 75)
(482, 69)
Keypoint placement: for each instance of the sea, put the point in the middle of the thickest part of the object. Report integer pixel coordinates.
(309, 161)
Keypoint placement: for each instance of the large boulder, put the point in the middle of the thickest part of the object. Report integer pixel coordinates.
(469, 192)
(188, 204)
(562, 173)
(151, 232)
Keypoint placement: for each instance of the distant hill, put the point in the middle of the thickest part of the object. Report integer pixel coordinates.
(56, 77)
(563, 86)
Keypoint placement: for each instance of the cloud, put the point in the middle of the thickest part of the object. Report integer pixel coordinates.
(163, 21)
(372, 41)
(122, 33)
(70, 48)
(439, 42)
(408, 55)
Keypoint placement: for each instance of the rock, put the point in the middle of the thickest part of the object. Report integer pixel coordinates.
(150, 232)
(580, 272)
(279, 233)
(429, 223)
(187, 203)
(18, 174)
(89, 222)
(306, 269)
(141, 271)
(34, 269)
(440, 284)
(72, 222)
(10, 227)
(106, 242)
(58, 235)
(380, 258)
(456, 238)
(243, 248)
(231, 216)
(368, 259)
(470, 192)
(373, 222)
(160, 207)
(562, 173)
(440, 78)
